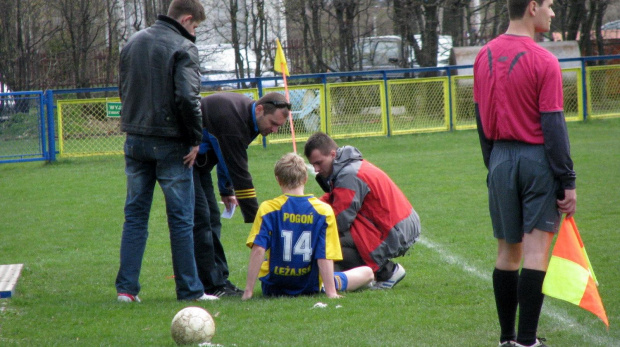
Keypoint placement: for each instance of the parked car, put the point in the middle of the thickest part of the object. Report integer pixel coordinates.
(385, 52)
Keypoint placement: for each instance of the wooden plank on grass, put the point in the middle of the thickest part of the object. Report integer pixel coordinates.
(9, 274)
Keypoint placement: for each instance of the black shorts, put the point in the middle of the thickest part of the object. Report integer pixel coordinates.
(522, 191)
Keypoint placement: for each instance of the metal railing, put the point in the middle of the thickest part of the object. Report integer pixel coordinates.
(82, 122)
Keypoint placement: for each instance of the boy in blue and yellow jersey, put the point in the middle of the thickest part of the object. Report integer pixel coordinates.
(294, 242)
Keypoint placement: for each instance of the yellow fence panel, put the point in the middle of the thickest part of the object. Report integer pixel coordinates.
(308, 112)
(356, 109)
(463, 113)
(418, 105)
(603, 83)
(573, 95)
(250, 92)
(349, 109)
(89, 127)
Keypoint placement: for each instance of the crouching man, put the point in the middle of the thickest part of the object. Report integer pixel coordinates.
(375, 220)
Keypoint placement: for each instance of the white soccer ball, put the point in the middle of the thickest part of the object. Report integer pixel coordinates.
(192, 325)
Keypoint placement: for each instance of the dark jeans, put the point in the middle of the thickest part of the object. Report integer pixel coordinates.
(208, 250)
(149, 160)
(351, 258)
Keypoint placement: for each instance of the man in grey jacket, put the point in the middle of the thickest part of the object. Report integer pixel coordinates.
(159, 88)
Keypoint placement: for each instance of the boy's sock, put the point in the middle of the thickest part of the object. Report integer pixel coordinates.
(505, 285)
(530, 304)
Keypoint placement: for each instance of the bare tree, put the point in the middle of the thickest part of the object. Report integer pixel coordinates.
(600, 14)
(575, 16)
(258, 35)
(81, 34)
(426, 23)
(75, 43)
(344, 11)
(310, 20)
(25, 31)
(452, 24)
(493, 21)
(115, 33)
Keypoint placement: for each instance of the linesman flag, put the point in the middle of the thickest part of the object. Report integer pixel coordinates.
(570, 276)
(279, 65)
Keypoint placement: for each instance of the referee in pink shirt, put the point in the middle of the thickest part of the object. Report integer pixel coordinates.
(519, 112)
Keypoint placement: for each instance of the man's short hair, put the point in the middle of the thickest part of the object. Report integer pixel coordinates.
(268, 100)
(320, 141)
(179, 8)
(516, 8)
(291, 171)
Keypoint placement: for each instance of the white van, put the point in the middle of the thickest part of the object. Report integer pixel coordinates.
(7, 102)
(217, 63)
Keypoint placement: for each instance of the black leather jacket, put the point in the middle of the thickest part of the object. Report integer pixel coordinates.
(159, 83)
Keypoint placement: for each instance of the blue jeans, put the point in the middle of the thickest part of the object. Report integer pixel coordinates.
(208, 250)
(147, 160)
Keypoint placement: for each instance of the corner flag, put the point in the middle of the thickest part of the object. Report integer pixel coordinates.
(279, 64)
(570, 276)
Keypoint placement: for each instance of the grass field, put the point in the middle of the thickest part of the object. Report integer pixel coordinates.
(63, 222)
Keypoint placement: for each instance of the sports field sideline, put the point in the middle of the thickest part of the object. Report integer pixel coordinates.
(63, 222)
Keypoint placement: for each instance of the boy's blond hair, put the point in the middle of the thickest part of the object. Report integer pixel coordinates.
(291, 171)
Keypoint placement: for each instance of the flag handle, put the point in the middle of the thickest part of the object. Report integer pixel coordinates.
(290, 116)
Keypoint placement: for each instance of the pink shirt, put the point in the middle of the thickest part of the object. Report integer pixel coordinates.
(515, 80)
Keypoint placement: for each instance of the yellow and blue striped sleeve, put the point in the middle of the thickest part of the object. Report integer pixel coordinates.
(332, 239)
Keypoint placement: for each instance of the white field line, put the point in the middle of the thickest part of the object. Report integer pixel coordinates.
(556, 313)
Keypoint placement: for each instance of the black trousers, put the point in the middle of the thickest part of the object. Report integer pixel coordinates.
(208, 251)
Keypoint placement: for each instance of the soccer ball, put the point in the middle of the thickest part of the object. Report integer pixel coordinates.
(192, 325)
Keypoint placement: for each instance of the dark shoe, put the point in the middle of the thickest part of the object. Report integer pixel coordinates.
(228, 289)
(507, 344)
(233, 287)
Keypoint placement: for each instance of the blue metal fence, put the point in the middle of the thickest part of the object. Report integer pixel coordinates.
(23, 128)
(27, 119)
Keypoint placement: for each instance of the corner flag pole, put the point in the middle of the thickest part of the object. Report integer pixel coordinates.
(281, 66)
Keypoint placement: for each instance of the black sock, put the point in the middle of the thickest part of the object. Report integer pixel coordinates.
(505, 288)
(530, 304)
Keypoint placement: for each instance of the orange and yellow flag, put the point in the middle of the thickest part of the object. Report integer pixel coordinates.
(570, 276)
(279, 65)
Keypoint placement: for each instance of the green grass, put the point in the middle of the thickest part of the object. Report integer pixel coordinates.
(63, 222)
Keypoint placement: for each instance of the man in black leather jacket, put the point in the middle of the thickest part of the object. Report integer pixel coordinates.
(159, 88)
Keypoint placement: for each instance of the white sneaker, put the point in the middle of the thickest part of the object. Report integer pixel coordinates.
(507, 344)
(124, 297)
(207, 297)
(398, 274)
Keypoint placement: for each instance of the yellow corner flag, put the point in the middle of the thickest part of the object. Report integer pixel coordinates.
(570, 276)
(279, 64)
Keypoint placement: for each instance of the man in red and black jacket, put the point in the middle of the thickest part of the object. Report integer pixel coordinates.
(375, 220)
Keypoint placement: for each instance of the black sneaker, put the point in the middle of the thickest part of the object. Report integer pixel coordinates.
(233, 287)
(226, 291)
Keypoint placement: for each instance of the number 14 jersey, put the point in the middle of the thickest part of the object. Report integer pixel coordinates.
(295, 231)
